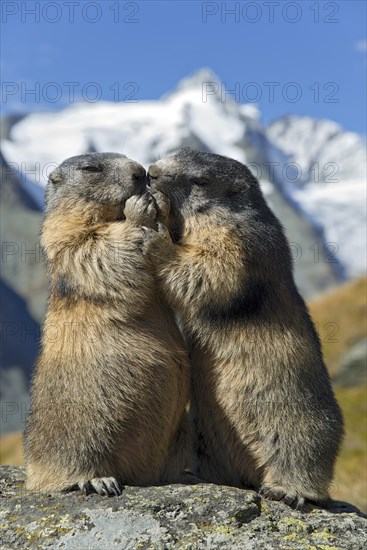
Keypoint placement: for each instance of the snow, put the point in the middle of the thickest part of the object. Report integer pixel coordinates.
(308, 141)
(333, 182)
(341, 211)
(148, 130)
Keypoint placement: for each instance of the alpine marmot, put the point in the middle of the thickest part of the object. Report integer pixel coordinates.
(263, 408)
(111, 383)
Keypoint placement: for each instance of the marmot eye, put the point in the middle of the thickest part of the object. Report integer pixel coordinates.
(91, 168)
(200, 181)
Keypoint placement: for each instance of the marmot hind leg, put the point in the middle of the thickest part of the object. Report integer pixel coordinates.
(294, 486)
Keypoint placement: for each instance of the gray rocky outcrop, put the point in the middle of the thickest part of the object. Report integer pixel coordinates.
(171, 516)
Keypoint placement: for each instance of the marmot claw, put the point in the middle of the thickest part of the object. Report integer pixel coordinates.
(105, 486)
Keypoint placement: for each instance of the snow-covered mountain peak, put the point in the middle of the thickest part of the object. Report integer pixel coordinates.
(205, 88)
(196, 80)
(323, 151)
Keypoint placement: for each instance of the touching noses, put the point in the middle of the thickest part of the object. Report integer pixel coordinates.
(139, 176)
(153, 175)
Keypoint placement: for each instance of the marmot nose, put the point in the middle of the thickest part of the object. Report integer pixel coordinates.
(153, 174)
(140, 182)
(139, 175)
(138, 171)
(153, 171)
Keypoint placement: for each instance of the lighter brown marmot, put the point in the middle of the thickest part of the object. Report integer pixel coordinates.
(264, 412)
(111, 383)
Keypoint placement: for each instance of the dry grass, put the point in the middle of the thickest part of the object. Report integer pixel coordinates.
(11, 449)
(340, 318)
(351, 469)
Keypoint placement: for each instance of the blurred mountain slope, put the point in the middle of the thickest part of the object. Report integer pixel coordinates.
(23, 294)
(341, 319)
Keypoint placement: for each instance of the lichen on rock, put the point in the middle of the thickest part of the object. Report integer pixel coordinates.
(172, 516)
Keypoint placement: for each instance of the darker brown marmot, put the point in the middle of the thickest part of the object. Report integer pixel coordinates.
(264, 412)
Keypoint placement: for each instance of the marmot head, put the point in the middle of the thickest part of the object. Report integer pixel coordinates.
(197, 182)
(99, 182)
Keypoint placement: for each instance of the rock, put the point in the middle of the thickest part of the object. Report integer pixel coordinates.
(172, 516)
(353, 370)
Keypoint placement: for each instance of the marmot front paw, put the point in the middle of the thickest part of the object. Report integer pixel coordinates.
(163, 205)
(105, 486)
(141, 211)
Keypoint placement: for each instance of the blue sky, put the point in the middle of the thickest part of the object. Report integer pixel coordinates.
(303, 57)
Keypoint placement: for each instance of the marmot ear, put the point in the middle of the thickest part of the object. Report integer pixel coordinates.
(55, 176)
